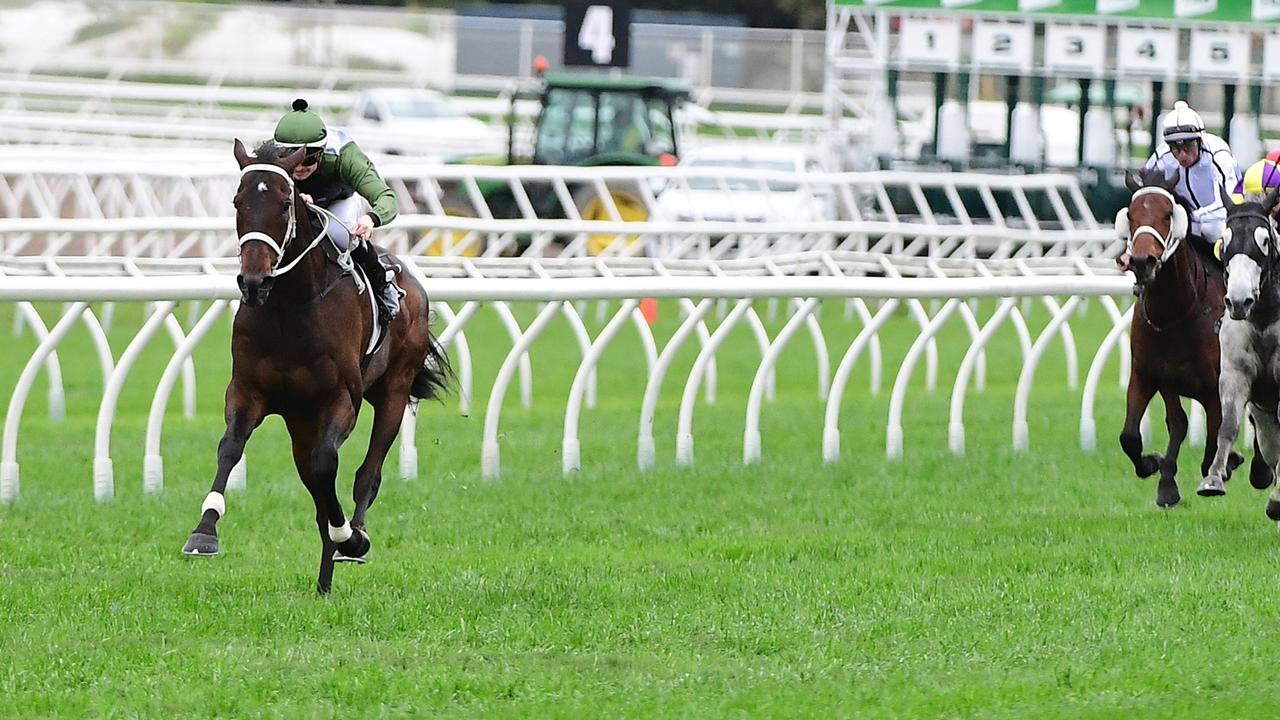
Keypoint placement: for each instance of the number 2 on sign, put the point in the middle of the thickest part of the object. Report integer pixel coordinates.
(596, 33)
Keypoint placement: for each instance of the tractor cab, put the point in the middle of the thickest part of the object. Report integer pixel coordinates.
(598, 120)
(582, 120)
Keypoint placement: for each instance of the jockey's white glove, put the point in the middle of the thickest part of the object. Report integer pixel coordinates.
(306, 198)
(363, 227)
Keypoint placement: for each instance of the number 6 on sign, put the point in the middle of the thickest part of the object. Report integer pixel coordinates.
(1147, 51)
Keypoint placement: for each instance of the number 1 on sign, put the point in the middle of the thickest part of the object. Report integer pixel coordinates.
(596, 33)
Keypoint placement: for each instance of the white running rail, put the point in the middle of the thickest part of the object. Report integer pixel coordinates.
(564, 285)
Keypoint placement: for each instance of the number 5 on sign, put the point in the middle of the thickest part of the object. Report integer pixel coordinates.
(1219, 54)
(1147, 51)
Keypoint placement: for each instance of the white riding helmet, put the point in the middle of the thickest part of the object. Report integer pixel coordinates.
(1183, 123)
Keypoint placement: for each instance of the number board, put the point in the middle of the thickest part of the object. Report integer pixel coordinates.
(1075, 48)
(1005, 45)
(928, 41)
(597, 33)
(1219, 54)
(1148, 51)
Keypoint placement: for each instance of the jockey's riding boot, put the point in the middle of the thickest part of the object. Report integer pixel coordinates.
(381, 278)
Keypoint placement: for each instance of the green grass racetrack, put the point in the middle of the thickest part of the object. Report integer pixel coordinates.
(997, 585)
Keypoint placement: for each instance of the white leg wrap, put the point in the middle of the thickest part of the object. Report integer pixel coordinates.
(340, 534)
(215, 502)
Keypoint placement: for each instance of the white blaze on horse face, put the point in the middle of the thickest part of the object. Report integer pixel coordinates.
(1244, 278)
(262, 187)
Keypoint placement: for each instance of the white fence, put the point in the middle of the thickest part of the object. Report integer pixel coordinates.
(563, 285)
(110, 203)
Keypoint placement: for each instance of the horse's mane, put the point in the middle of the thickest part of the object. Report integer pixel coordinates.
(1155, 177)
(271, 152)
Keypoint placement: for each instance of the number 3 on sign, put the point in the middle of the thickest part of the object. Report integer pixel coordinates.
(596, 34)
(1147, 51)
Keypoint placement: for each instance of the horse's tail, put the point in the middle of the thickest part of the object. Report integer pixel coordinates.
(436, 375)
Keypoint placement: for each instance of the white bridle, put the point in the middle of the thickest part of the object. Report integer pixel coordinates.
(289, 233)
(1169, 241)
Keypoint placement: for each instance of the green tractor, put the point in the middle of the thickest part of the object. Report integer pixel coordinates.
(583, 121)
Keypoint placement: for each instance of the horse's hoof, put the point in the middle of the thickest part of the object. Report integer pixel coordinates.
(1273, 509)
(1148, 465)
(1260, 476)
(1168, 499)
(201, 545)
(1234, 460)
(1211, 487)
(357, 550)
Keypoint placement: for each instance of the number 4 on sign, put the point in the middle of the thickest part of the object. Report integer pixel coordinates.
(596, 33)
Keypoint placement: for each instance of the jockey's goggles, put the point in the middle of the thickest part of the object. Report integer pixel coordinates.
(312, 155)
(1183, 144)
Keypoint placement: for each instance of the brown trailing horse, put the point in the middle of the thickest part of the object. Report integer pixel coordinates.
(1174, 332)
(297, 350)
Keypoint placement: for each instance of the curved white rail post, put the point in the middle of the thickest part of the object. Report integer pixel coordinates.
(645, 451)
(684, 429)
(955, 428)
(571, 448)
(454, 335)
(103, 480)
(105, 360)
(509, 321)
(57, 397)
(1088, 425)
(922, 318)
(153, 463)
(893, 431)
(831, 422)
(489, 457)
(8, 460)
(751, 435)
(188, 368)
(815, 334)
(1020, 441)
(971, 323)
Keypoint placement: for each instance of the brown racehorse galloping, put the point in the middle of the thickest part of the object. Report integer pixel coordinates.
(297, 350)
(1174, 335)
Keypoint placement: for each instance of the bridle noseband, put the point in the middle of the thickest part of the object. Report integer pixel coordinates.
(290, 231)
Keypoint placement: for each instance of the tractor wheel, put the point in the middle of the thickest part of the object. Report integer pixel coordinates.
(592, 207)
(455, 204)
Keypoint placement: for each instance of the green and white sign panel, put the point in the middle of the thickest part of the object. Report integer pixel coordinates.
(1230, 11)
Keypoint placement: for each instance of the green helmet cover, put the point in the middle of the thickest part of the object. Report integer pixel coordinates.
(300, 126)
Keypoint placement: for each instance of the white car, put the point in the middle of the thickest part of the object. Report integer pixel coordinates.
(398, 121)
(726, 185)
